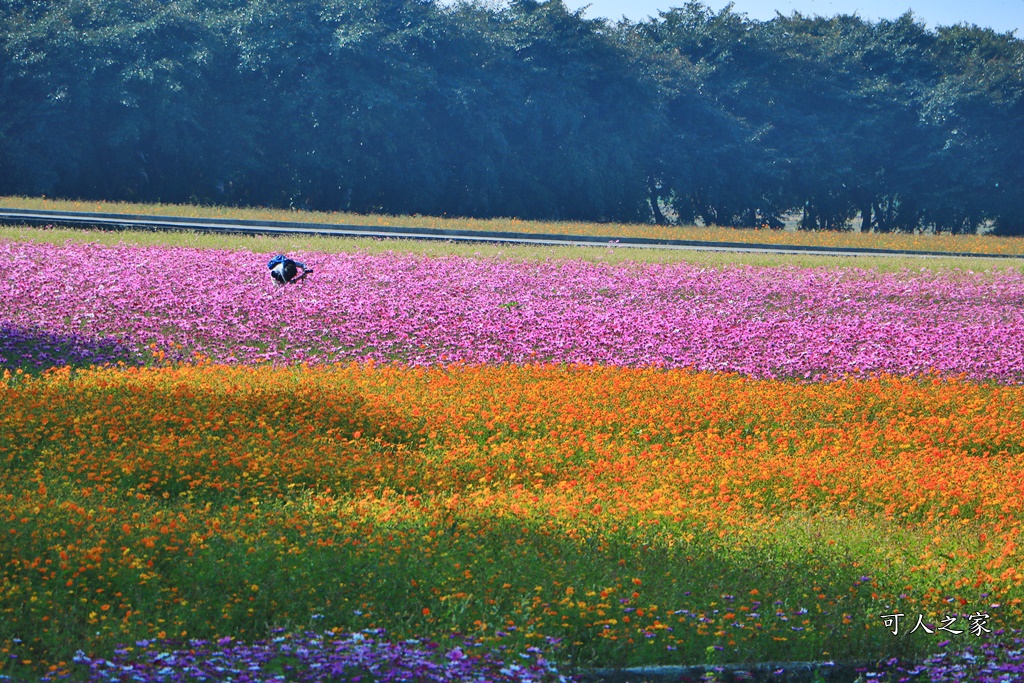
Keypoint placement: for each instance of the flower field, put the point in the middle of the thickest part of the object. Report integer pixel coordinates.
(83, 304)
(490, 466)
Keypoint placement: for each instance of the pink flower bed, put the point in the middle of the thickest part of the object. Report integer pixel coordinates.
(91, 303)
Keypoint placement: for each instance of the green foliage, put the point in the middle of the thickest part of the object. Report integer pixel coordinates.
(523, 109)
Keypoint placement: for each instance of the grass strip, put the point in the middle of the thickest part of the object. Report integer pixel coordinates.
(916, 242)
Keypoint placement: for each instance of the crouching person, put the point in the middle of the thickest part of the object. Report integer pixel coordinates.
(284, 269)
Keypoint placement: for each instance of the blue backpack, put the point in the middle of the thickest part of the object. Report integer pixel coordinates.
(284, 269)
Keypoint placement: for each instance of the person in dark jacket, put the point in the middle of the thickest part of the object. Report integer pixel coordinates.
(284, 269)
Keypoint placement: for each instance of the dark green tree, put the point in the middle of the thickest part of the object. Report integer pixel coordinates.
(712, 155)
(524, 108)
(976, 109)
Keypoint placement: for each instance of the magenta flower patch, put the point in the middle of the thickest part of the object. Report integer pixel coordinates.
(92, 303)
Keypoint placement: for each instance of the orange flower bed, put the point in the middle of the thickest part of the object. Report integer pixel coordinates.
(605, 507)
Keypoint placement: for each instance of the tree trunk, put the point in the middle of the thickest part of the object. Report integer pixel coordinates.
(659, 217)
(865, 217)
(809, 221)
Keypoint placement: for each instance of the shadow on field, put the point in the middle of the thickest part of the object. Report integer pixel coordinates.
(35, 350)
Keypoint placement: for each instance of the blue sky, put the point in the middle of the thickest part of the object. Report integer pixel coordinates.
(1001, 15)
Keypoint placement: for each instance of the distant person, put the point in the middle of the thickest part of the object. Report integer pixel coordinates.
(284, 269)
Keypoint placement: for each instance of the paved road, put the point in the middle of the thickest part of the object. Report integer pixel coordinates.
(113, 221)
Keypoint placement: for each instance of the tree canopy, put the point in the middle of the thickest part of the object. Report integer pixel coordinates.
(521, 109)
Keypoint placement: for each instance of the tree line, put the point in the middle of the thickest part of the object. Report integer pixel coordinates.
(520, 109)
